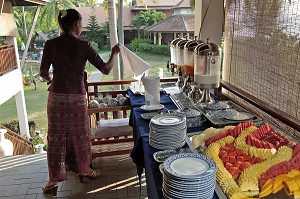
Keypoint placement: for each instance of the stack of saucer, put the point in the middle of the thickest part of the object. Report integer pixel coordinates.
(189, 175)
(167, 131)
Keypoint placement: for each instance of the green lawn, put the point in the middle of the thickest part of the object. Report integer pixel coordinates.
(36, 100)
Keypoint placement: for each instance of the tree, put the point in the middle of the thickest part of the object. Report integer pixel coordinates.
(49, 13)
(28, 15)
(93, 28)
(120, 30)
(121, 34)
(193, 3)
(113, 34)
(147, 18)
(104, 35)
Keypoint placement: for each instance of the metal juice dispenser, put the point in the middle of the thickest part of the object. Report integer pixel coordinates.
(207, 63)
(195, 94)
(188, 59)
(180, 55)
(173, 52)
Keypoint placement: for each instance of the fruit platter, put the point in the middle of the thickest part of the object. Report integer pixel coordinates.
(253, 162)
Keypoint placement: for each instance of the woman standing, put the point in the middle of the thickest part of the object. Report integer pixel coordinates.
(68, 140)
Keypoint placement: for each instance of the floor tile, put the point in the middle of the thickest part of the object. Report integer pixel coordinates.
(22, 177)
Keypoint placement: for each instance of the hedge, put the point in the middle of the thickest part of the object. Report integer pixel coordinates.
(135, 43)
(145, 45)
(155, 49)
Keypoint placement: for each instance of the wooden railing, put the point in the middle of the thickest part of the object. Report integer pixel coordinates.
(260, 104)
(8, 59)
(21, 145)
(112, 93)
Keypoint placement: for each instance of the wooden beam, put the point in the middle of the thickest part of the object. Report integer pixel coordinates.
(37, 2)
(1, 6)
(262, 105)
(30, 36)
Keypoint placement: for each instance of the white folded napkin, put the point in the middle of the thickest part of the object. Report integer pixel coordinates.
(133, 64)
(152, 90)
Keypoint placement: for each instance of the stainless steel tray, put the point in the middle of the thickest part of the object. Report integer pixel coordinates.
(181, 100)
(221, 122)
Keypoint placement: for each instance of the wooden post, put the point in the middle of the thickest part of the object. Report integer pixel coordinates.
(154, 38)
(209, 16)
(159, 38)
(1, 6)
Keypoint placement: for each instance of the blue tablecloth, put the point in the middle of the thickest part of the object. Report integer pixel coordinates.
(139, 100)
(142, 152)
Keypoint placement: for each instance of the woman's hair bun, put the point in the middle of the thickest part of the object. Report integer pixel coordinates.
(63, 13)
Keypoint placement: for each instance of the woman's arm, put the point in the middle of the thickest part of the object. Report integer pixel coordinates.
(45, 64)
(114, 51)
(96, 60)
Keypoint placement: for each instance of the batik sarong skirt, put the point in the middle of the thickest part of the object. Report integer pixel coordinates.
(68, 140)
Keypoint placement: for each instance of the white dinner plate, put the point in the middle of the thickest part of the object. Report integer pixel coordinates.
(148, 116)
(189, 166)
(227, 114)
(241, 116)
(216, 105)
(198, 166)
(152, 107)
(168, 120)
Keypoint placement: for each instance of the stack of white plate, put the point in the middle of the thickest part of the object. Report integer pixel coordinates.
(167, 131)
(189, 175)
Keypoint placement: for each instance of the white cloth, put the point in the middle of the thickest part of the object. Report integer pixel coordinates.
(152, 90)
(133, 64)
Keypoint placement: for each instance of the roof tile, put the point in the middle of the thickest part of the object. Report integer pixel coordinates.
(174, 23)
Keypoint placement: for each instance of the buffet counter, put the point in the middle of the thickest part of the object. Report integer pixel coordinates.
(142, 152)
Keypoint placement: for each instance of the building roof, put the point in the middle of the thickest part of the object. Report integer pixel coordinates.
(42, 35)
(157, 4)
(102, 16)
(86, 13)
(182, 4)
(174, 23)
(184, 22)
(30, 2)
(127, 17)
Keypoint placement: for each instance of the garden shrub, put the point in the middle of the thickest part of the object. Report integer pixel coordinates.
(155, 49)
(94, 45)
(35, 135)
(135, 43)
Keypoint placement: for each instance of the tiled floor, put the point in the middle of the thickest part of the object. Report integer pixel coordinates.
(23, 177)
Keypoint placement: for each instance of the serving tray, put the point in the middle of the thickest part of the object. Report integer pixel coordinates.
(181, 100)
(225, 121)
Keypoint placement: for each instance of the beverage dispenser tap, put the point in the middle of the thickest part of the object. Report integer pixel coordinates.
(180, 81)
(187, 87)
(195, 93)
(168, 66)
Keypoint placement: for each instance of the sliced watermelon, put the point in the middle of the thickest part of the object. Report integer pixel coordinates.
(222, 154)
(235, 132)
(245, 165)
(217, 137)
(225, 159)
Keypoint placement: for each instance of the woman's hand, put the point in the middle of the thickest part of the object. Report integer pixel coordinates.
(115, 50)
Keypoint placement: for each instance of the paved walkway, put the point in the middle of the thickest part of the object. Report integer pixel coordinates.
(23, 176)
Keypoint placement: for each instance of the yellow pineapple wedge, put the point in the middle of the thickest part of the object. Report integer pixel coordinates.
(297, 194)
